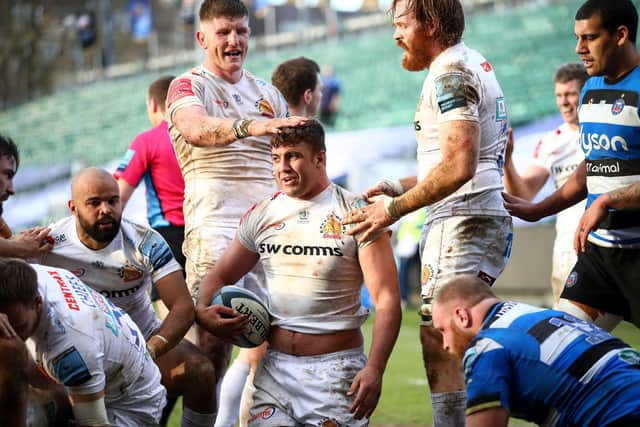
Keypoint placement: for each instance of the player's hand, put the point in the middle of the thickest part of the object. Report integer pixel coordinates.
(508, 152)
(385, 187)
(521, 208)
(6, 330)
(33, 243)
(368, 219)
(273, 126)
(366, 386)
(223, 322)
(590, 220)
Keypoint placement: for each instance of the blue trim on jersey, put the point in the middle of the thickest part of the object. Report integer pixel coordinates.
(69, 368)
(154, 247)
(155, 215)
(615, 241)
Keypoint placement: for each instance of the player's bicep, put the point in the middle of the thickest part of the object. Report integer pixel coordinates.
(379, 270)
(235, 262)
(172, 288)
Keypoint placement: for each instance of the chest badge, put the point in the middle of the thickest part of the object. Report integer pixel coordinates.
(129, 273)
(331, 227)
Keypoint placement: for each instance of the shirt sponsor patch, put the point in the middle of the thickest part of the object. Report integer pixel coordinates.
(69, 368)
(450, 92)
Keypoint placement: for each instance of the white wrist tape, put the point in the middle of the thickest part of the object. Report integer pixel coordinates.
(391, 187)
(92, 413)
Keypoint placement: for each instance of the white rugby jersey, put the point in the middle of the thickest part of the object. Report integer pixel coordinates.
(313, 274)
(86, 343)
(221, 183)
(461, 85)
(559, 153)
(122, 271)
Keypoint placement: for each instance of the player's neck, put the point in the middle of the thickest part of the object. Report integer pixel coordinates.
(232, 77)
(626, 62)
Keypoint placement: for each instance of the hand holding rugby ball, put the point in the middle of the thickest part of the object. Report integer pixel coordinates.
(249, 304)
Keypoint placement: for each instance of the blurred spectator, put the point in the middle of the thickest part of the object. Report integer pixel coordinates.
(86, 29)
(140, 19)
(407, 252)
(330, 104)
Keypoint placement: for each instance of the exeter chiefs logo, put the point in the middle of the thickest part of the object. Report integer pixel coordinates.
(129, 273)
(265, 108)
(331, 227)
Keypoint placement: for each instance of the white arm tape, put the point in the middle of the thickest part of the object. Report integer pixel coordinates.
(92, 413)
(391, 187)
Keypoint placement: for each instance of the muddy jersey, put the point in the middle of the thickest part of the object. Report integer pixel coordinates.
(461, 86)
(221, 183)
(122, 271)
(313, 274)
(610, 139)
(86, 343)
(559, 153)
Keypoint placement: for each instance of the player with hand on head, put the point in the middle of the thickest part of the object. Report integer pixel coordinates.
(220, 119)
(120, 259)
(544, 366)
(602, 285)
(558, 155)
(315, 370)
(461, 127)
(81, 341)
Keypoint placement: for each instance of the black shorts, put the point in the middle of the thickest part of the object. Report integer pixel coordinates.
(174, 235)
(607, 279)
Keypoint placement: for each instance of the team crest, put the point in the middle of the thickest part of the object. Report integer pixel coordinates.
(327, 422)
(630, 356)
(129, 273)
(332, 228)
(427, 273)
(617, 107)
(264, 414)
(265, 108)
(572, 279)
(78, 272)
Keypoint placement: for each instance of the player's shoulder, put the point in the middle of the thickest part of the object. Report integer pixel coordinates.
(262, 84)
(263, 207)
(61, 232)
(348, 198)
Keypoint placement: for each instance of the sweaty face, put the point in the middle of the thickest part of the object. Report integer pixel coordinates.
(98, 210)
(596, 47)
(567, 99)
(297, 170)
(226, 42)
(454, 339)
(410, 36)
(7, 172)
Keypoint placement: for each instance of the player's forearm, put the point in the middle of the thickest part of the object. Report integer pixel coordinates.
(514, 184)
(386, 326)
(174, 327)
(443, 181)
(573, 191)
(625, 198)
(205, 131)
(408, 182)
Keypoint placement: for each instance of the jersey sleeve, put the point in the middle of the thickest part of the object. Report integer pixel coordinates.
(246, 232)
(79, 366)
(157, 255)
(358, 203)
(457, 93)
(134, 163)
(487, 371)
(185, 91)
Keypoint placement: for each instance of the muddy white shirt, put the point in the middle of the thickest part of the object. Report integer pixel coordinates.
(313, 274)
(461, 85)
(86, 343)
(221, 183)
(122, 271)
(559, 153)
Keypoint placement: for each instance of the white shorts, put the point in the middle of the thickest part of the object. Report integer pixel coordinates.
(477, 245)
(202, 249)
(312, 390)
(141, 403)
(564, 259)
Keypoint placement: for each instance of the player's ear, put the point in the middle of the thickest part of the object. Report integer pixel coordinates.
(72, 206)
(201, 40)
(306, 96)
(462, 317)
(622, 35)
(322, 157)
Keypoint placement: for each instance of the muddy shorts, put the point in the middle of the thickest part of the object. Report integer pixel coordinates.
(476, 245)
(309, 390)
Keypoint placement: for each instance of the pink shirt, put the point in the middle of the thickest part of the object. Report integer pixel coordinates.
(151, 157)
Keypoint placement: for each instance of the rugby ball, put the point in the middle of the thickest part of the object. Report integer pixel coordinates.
(247, 303)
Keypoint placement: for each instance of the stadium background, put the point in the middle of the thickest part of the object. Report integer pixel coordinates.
(69, 106)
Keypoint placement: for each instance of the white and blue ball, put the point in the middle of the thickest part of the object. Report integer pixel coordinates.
(247, 303)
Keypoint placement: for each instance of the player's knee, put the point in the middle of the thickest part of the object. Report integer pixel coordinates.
(199, 370)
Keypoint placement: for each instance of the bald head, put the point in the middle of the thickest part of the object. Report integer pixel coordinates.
(95, 203)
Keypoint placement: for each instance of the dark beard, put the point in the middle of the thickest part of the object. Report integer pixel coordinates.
(102, 236)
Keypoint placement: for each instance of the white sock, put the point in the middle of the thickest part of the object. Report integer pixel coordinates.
(196, 419)
(449, 409)
(231, 393)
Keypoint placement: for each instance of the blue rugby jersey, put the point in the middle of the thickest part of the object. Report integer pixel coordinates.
(550, 368)
(610, 139)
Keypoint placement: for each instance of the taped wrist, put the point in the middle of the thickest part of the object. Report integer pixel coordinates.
(241, 128)
(391, 187)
